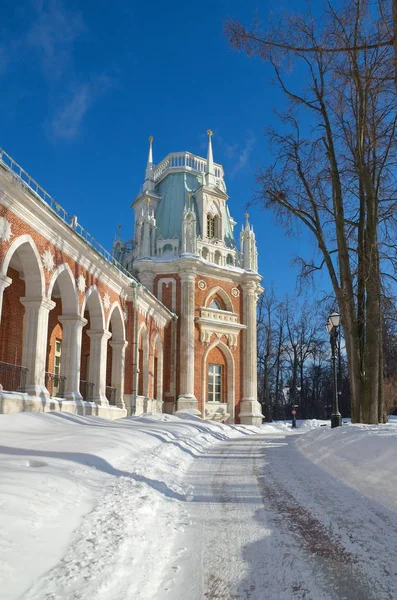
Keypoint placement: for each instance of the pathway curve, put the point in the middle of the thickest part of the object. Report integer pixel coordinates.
(267, 524)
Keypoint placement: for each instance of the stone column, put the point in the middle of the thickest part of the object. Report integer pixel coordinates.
(72, 327)
(118, 370)
(187, 401)
(250, 409)
(34, 353)
(98, 355)
(4, 283)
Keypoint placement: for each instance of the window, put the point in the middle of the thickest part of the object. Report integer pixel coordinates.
(210, 226)
(214, 383)
(215, 304)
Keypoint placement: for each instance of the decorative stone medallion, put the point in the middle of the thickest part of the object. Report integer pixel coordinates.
(48, 260)
(80, 282)
(5, 229)
(106, 301)
(202, 285)
(235, 292)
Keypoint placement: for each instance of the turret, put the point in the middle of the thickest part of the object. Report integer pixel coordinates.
(248, 247)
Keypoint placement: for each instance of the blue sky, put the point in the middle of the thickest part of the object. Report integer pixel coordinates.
(83, 85)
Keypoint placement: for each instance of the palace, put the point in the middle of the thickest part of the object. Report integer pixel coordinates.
(165, 323)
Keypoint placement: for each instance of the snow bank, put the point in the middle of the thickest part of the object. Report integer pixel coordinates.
(83, 497)
(361, 456)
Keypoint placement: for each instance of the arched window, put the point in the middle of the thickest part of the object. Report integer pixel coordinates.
(229, 259)
(210, 226)
(215, 304)
(205, 253)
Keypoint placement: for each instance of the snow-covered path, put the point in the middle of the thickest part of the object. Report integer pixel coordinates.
(269, 524)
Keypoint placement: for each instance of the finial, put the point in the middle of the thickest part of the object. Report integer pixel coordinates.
(246, 219)
(209, 132)
(147, 201)
(119, 228)
(150, 138)
(188, 200)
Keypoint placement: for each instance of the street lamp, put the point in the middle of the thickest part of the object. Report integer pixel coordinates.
(333, 330)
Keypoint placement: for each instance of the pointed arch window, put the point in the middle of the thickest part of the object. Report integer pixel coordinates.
(215, 304)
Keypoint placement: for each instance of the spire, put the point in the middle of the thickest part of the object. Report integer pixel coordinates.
(247, 223)
(210, 171)
(149, 183)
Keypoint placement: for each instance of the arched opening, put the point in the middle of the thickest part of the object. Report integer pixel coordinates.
(116, 357)
(218, 258)
(217, 303)
(218, 370)
(205, 253)
(158, 369)
(229, 260)
(93, 349)
(143, 362)
(167, 250)
(24, 322)
(61, 348)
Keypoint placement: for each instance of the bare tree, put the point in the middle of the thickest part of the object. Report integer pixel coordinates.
(338, 179)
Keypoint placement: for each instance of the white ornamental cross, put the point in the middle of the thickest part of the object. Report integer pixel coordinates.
(5, 229)
(48, 260)
(80, 282)
(106, 301)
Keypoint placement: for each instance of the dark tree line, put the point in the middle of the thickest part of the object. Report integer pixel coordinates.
(294, 360)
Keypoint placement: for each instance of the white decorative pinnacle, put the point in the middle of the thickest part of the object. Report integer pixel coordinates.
(80, 282)
(106, 301)
(5, 229)
(48, 260)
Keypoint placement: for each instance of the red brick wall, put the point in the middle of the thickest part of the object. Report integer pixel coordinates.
(12, 320)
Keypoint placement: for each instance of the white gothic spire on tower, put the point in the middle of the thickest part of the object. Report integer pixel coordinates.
(149, 183)
(210, 171)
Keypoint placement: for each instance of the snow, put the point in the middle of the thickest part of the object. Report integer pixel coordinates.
(166, 507)
(83, 496)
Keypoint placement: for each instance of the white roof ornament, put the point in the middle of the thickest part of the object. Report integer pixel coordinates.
(210, 171)
(149, 183)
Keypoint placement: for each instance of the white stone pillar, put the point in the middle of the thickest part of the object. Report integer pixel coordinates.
(98, 355)
(34, 353)
(187, 401)
(118, 370)
(4, 283)
(72, 327)
(250, 409)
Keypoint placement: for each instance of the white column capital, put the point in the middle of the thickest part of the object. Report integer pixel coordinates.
(5, 281)
(119, 344)
(99, 334)
(37, 302)
(76, 320)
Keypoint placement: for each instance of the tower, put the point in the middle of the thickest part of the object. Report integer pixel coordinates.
(184, 251)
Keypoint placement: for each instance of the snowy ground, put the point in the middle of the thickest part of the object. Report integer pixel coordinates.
(180, 509)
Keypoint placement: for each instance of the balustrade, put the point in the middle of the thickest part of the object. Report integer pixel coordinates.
(12, 377)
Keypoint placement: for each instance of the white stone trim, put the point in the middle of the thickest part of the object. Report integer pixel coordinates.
(166, 281)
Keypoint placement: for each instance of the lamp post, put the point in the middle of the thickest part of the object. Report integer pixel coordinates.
(333, 330)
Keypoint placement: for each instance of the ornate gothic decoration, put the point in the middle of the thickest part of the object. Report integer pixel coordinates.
(235, 292)
(202, 285)
(80, 282)
(5, 229)
(106, 300)
(48, 260)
